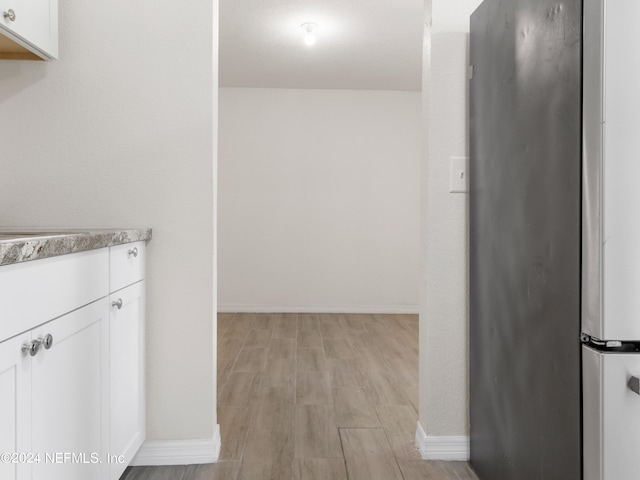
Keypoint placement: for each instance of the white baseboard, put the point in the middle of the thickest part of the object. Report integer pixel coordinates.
(401, 309)
(179, 452)
(442, 448)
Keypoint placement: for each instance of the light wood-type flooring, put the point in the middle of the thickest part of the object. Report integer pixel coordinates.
(316, 397)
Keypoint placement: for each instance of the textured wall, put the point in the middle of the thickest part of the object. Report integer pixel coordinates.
(444, 255)
(120, 132)
(445, 312)
(319, 200)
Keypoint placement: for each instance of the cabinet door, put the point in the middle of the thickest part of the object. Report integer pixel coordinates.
(35, 23)
(69, 416)
(126, 391)
(15, 405)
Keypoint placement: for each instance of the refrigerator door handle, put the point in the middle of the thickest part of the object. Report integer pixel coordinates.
(634, 385)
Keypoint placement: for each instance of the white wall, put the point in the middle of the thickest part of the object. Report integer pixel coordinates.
(319, 200)
(444, 391)
(120, 132)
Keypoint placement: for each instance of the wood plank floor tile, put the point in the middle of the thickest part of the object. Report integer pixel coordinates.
(307, 321)
(384, 388)
(319, 469)
(234, 425)
(267, 455)
(363, 342)
(309, 339)
(279, 373)
(224, 320)
(228, 347)
(311, 359)
(263, 321)
(240, 390)
(354, 409)
(395, 322)
(224, 367)
(378, 328)
(285, 326)
(313, 388)
(173, 472)
(240, 325)
(411, 393)
(280, 348)
(369, 360)
(274, 413)
(406, 371)
(409, 338)
(222, 470)
(328, 317)
(345, 373)
(331, 329)
(337, 349)
(417, 469)
(399, 423)
(274, 447)
(391, 348)
(351, 322)
(411, 322)
(258, 338)
(368, 455)
(437, 470)
(251, 360)
(462, 469)
(265, 471)
(316, 432)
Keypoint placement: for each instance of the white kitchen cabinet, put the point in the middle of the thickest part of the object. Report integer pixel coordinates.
(15, 411)
(68, 395)
(54, 401)
(126, 387)
(72, 398)
(29, 29)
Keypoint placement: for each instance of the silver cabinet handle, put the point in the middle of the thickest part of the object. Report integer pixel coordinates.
(47, 341)
(133, 251)
(10, 14)
(117, 304)
(32, 347)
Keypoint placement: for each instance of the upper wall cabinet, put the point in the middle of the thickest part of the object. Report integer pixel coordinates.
(29, 29)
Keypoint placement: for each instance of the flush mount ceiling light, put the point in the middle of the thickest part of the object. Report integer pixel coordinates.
(310, 36)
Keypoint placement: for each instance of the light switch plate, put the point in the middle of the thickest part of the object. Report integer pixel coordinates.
(458, 178)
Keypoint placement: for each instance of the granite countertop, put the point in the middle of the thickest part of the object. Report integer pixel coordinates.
(24, 244)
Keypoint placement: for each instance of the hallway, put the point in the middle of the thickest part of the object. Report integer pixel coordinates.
(316, 397)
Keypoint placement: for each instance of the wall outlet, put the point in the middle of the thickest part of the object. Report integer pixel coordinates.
(458, 177)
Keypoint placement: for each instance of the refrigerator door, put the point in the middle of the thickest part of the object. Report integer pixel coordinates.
(611, 171)
(524, 213)
(611, 415)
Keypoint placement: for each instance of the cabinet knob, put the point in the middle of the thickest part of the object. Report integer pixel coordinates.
(10, 14)
(32, 348)
(133, 251)
(117, 304)
(47, 341)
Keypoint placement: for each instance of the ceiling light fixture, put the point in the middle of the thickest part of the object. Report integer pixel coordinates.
(310, 36)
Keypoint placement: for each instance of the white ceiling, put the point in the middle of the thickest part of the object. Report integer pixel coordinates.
(361, 44)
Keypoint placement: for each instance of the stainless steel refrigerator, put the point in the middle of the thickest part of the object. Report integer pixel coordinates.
(555, 239)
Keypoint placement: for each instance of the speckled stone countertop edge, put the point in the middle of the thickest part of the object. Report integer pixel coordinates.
(22, 248)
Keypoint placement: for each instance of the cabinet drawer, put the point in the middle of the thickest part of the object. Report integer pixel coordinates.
(127, 265)
(32, 293)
